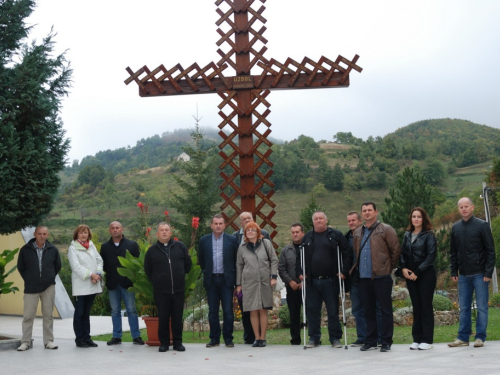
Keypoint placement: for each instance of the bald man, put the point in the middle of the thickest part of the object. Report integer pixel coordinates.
(472, 260)
(39, 263)
(118, 285)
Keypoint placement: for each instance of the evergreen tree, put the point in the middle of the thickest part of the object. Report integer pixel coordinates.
(32, 143)
(307, 212)
(200, 192)
(410, 190)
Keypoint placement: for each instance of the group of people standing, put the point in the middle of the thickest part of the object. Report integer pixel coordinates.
(370, 251)
(245, 264)
(39, 262)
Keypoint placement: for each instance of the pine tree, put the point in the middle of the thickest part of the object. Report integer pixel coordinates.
(200, 192)
(411, 190)
(307, 212)
(32, 143)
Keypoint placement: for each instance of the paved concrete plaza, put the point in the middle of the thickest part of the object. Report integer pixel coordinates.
(242, 359)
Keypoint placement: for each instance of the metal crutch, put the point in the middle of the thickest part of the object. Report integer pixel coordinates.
(342, 292)
(303, 290)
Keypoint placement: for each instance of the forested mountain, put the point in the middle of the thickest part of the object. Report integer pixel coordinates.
(151, 152)
(465, 142)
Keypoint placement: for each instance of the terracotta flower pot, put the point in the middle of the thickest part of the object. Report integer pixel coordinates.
(152, 324)
(152, 330)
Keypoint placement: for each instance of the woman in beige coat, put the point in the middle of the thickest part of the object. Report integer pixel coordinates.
(256, 274)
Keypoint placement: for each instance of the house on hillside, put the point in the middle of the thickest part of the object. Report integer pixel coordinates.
(183, 157)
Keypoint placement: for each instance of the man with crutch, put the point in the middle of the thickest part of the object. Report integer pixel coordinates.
(321, 271)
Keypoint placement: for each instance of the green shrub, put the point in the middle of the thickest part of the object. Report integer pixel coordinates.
(284, 315)
(399, 304)
(495, 300)
(441, 303)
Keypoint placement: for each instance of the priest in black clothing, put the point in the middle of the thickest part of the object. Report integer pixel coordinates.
(166, 264)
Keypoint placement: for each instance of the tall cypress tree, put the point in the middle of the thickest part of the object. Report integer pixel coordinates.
(32, 143)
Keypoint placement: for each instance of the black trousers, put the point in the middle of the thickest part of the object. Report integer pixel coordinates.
(248, 334)
(421, 294)
(294, 302)
(373, 291)
(170, 306)
(81, 317)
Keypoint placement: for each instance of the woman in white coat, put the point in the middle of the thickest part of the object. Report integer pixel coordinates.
(86, 266)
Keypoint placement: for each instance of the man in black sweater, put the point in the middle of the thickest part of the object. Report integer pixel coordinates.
(118, 285)
(321, 246)
(166, 264)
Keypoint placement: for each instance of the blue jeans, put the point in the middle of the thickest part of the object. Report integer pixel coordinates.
(115, 300)
(466, 285)
(219, 293)
(326, 290)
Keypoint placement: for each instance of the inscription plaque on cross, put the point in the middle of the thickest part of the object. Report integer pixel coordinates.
(244, 98)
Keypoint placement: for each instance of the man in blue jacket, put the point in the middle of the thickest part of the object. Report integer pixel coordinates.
(39, 263)
(217, 257)
(472, 256)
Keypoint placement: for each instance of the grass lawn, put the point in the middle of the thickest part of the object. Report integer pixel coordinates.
(402, 335)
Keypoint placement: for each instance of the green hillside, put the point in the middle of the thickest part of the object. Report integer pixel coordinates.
(341, 174)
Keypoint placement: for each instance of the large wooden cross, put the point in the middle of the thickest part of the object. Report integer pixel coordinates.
(244, 100)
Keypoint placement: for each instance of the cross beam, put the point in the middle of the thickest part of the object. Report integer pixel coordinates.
(244, 97)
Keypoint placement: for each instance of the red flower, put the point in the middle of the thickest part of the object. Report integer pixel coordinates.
(166, 213)
(147, 231)
(140, 205)
(176, 239)
(196, 222)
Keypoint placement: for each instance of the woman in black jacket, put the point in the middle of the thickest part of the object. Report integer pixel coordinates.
(418, 254)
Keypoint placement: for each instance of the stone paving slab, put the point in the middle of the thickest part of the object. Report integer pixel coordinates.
(242, 359)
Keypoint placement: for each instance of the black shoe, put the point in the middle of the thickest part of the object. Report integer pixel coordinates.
(229, 344)
(357, 343)
(367, 347)
(179, 348)
(212, 343)
(262, 343)
(163, 347)
(138, 341)
(114, 341)
(91, 344)
(256, 343)
(385, 348)
(82, 344)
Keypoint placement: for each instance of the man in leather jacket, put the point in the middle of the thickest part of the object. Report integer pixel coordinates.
(472, 258)
(377, 249)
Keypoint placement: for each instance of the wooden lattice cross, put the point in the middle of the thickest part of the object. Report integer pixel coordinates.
(244, 97)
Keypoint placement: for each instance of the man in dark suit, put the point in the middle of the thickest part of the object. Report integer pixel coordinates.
(217, 257)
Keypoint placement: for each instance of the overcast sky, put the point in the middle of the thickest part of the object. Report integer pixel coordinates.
(421, 59)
